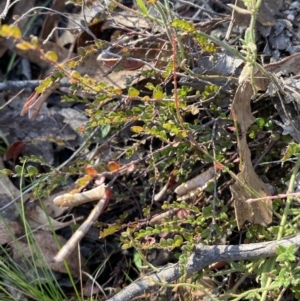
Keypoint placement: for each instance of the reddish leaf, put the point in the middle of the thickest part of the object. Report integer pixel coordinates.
(90, 171)
(172, 179)
(218, 166)
(14, 150)
(113, 166)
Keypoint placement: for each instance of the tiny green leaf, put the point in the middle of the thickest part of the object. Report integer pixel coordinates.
(32, 170)
(158, 93)
(132, 92)
(19, 169)
(51, 56)
(10, 31)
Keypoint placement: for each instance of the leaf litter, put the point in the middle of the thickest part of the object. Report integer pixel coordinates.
(50, 125)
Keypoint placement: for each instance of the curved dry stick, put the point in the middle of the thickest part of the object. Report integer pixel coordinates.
(202, 257)
(67, 249)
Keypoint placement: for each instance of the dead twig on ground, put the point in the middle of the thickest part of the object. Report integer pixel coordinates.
(203, 256)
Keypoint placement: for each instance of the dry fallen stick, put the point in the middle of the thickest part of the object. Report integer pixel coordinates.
(272, 197)
(75, 199)
(202, 257)
(67, 249)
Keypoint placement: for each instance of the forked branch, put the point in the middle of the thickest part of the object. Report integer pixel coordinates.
(202, 257)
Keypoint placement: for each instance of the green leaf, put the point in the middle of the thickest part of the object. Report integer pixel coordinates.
(158, 93)
(150, 86)
(183, 25)
(10, 32)
(19, 170)
(132, 92)
(32, 170)
(105, 129)
(142, 7)
(136, 129)
(51, 56)
(137, 260)
(293, 149)
(6, 171)
(177, 241)
(126, 246)
(110, 230)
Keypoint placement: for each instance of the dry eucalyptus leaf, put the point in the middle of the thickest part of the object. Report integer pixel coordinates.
(257, 212)
(48, 249)
(9, 230)
(37, 218)
(97, 71)
(241, 106)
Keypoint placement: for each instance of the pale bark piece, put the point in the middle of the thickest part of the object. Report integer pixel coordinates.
(258, 212)
(75, 199)
(43, 255)
(197, 182)
(50, 208)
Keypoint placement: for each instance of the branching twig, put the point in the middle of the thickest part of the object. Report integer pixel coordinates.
(202, 257)
(8, 5)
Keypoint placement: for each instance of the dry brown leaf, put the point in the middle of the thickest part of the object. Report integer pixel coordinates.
(14, 151)
(51, 19)
(37, 218)
(8, 192)
(97, 70)
(53, 210)
(48, 249)
(34, 56)
(9, 230)
(258, 212)
(290, 64)
(266, 13)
